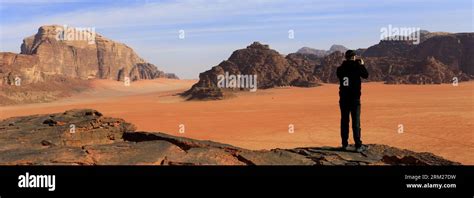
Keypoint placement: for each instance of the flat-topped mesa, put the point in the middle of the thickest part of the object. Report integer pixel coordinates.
(77, 53)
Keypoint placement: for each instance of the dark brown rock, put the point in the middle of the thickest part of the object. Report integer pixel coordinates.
(271, 68)
(388, 48)
(100, 140)
(439, 58)
(454, 50)
(375, 155)
(74, 128)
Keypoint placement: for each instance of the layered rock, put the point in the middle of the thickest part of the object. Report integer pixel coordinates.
(98, 140)
(439, 58)
(454, 50)
(427, 71)
(389, 48)
(398, 47)
(87, 57)
(54, 87)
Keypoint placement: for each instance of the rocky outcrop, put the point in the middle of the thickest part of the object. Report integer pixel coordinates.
(51, 66)
(270, 67)
(391, 47)
(75, 56)
(439, 58)
(54, 87)
(388, 48)
(86, 137)
(19, 66)
(376, 154)
(427, 71)
(453, 50)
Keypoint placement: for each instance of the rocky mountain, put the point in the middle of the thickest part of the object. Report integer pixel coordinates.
(271, 68)
(387, 48)
(454, 50)
(86, 137)
(312, 51)
(337, 48)
(439, 58)
(322, 53)
(81, 54)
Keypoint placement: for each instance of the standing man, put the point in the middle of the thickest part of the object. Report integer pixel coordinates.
(350, 73)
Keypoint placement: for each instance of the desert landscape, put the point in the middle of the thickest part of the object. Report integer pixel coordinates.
(436, 118)
(418, 98)
(372, 97)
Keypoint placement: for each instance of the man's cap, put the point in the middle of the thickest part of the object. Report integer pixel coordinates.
(350, 53)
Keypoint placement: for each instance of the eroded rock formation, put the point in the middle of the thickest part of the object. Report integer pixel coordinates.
(439, 58)
(45, 54)
(271, 68)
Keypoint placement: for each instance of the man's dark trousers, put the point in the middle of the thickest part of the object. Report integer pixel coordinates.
(352, 107)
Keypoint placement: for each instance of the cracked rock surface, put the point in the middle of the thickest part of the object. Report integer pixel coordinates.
(86, 137)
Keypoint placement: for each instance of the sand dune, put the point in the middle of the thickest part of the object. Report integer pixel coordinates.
(435, 118)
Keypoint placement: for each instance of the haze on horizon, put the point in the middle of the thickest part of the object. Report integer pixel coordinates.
(215, 28)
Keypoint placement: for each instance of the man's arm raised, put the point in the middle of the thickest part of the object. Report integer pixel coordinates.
(363, 71)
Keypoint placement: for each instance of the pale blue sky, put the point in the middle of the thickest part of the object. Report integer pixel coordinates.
(215, 28)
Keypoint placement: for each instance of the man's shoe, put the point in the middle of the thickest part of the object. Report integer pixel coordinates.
(361, 148)
(343, 148)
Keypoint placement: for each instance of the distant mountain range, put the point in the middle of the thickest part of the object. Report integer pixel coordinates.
(322, 53)
(44, 60)
(438, 58)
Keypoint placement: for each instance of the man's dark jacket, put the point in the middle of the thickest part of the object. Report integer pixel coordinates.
(351, 71)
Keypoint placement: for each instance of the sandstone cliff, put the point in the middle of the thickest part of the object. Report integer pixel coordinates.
(85, 57)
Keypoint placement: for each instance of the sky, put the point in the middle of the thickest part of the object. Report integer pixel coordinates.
(213, 29)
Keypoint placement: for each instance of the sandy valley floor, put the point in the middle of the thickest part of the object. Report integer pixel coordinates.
(435, 118)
